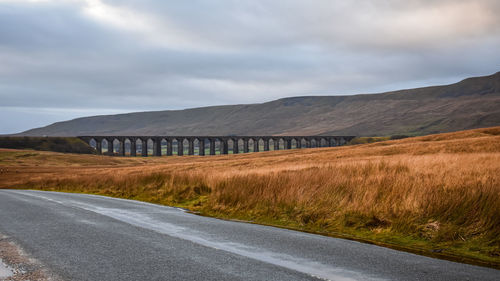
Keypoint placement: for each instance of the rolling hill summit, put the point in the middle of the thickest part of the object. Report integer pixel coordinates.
(468, 104)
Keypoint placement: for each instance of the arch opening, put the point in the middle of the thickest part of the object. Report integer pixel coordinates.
(185, 147)
(196, 146)
(93, 143)
(332, 142)
(281, 144)
(104, 146)
(323, 143)
(175, 147)
(139, 146)
(127, 145)
(313, 143)
(116, 146)
(241, 145)
(163, 147)
(260, 144)
(303, 143)
(251, 145)
(230, 146)
(218, 146)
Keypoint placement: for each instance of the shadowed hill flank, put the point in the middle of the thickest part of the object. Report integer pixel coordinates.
(471, 103)
(437, 195)
(56, 144)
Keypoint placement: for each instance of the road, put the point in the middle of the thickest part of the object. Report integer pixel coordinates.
(88, 237)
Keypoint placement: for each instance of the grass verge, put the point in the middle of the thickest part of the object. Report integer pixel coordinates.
(435, 195)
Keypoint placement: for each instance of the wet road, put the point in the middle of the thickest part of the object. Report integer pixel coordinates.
(87, 237)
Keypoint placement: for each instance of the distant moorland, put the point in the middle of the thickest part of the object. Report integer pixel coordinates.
(436, 195)
(471, 103)
(56, 144)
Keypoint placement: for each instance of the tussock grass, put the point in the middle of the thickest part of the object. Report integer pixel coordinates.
(436, 194)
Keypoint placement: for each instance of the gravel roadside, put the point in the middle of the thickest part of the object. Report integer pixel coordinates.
(17, 265)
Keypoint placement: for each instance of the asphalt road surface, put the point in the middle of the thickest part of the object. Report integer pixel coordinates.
(87, 237)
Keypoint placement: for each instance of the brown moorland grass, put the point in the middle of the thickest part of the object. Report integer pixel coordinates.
(436, 195)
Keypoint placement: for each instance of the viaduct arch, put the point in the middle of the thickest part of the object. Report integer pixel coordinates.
(207, 145)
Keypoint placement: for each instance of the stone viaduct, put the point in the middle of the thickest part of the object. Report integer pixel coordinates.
(205, 145)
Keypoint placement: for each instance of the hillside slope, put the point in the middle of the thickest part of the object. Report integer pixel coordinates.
(471, 103)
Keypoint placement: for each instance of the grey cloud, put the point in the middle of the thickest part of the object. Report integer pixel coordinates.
(153, 55)
(394, 24)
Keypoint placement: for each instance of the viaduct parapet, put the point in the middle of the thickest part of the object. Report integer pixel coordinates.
(205, 145)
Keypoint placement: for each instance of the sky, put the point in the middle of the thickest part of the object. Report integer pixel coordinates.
(62, 59)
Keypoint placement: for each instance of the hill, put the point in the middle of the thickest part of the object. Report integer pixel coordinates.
(470, 103)
(57, 144)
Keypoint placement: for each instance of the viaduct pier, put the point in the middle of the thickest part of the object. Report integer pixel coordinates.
(205, 145)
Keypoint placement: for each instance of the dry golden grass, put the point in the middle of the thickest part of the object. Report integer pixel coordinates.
(439, 192)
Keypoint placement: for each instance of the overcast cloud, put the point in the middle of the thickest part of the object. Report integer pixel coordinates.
(61, 59)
